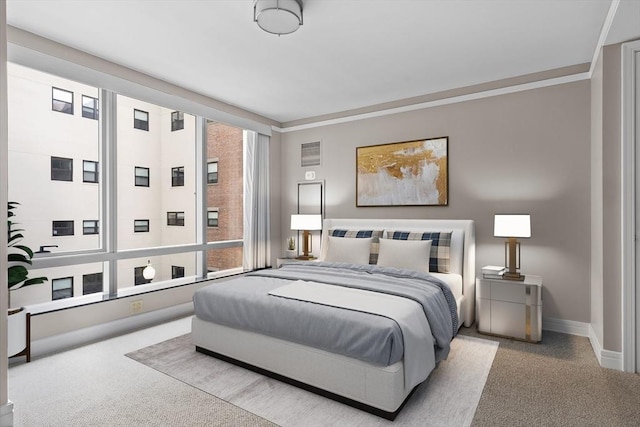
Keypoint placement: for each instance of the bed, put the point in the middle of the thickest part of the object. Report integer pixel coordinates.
(357, 325)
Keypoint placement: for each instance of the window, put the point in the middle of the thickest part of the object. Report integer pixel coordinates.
(62, 288)
(89, 171)
(177, 121)
(139, 276)
(91, 283)
(175, 218)
(212, 172)
(140, 120)
(62, 100)
(63, 228)
(61, 169)
(140, 225)
(86, 196)
(177, 272)
(89, 107)
(90, 226)
(142, 176)
(212, 218)
(177, 177)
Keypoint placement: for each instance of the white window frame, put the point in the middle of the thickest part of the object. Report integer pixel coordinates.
(108, 252)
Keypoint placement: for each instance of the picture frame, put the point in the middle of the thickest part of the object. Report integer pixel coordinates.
(408, 173)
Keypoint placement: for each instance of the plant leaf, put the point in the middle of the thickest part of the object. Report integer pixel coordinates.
(25, 249)
(16, 274)
(35, 281)
(18, 258)
(15, 237)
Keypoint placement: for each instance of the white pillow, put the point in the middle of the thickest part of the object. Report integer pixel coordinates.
(353, 251)
(409, 254)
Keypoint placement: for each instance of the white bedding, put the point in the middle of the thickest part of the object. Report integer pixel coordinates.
(453, 280)
(419, 358)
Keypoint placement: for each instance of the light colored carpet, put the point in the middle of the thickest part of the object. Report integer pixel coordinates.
(96, 385)
(449, 397)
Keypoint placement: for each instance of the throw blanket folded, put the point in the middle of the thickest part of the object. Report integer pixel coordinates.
(419, 358)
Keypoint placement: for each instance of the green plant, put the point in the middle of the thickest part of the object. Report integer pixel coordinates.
(19, 256)
(291, 244)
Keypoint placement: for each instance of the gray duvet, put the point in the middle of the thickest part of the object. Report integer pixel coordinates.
(244, 303)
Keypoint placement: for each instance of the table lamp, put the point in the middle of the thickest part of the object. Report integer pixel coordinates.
(306, 224)
(512, 226)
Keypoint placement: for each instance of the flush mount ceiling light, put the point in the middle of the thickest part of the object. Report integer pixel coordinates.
(278, 16)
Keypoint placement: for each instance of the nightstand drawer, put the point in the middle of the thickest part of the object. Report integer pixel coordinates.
(508, 291)
(510, 308)
(508, 319)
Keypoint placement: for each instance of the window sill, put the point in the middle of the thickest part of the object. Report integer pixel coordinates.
(84, 300)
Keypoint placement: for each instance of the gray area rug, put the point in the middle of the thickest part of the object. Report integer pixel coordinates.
(449, 396)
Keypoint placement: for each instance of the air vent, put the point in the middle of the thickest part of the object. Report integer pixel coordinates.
(310, 154)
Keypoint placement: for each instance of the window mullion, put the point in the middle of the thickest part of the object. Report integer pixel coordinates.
(108, 126)
(201, 191)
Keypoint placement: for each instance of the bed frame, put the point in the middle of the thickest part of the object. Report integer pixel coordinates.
(375, 389)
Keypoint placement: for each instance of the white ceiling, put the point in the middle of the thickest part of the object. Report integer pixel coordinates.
(348, 54)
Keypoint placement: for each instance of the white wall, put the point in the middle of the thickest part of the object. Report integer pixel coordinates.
(6, 411)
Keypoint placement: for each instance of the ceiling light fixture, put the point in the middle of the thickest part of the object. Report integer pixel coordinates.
(278, 16)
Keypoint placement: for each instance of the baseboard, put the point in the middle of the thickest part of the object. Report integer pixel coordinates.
(6, 414)
(67, 340)
(606, 358)
(570, 327)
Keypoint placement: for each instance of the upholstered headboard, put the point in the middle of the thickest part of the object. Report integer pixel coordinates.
(463, 247)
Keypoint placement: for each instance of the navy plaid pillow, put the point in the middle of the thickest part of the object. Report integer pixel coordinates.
(439, 261)
(362, 234)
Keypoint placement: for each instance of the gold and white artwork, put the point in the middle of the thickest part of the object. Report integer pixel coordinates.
(412, 173)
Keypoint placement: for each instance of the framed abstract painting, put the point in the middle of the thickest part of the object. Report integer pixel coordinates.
(410, 173)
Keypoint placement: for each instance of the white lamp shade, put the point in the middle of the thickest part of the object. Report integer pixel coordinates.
(512, 225)
(149, 272)
(306, 222)
(278, 16)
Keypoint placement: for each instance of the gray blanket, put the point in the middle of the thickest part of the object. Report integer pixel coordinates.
(244, 303)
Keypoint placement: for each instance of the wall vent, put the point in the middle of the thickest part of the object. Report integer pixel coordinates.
(310, 154)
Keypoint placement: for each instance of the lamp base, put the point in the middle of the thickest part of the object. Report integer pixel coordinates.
(513, 276)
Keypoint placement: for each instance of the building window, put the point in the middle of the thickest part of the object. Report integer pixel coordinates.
(91, 283)
(142, 176)
(177, 272)
(139, 276)
(61, 169)
(177, 121)
(89, 107)
(62, 228)
(90, 226)
(212, 172)
(89, 171)
(212, 218)
(175, 218)
(62, 288)
(140, 225)
(140, 120)
(177, 177)
(62, 100)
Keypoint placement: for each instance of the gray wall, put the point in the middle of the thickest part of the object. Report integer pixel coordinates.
(597, 223)
(521, 152)
(612, 184)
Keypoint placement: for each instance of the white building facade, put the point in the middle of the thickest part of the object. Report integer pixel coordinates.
(95, 199)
